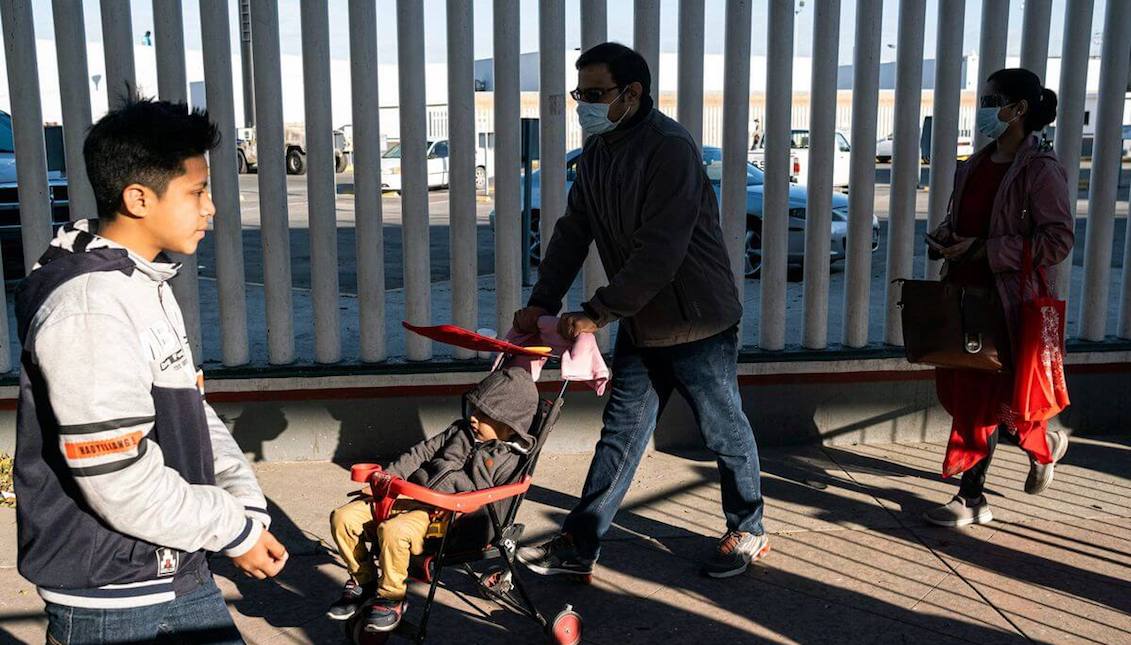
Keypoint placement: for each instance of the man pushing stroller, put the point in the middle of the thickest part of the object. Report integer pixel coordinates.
(481, 450)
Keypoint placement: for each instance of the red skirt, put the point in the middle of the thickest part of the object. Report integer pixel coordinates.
(979, 402)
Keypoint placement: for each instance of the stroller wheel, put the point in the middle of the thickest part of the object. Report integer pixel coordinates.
(566, 628)
(355, 629)
(423, 569)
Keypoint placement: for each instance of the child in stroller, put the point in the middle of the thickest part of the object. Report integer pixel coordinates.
(481, 450)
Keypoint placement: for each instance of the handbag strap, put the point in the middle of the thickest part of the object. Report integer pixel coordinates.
(1027, 271)
(1027, 268)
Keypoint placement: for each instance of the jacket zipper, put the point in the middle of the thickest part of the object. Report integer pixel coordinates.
(161, 302)
(435, 481)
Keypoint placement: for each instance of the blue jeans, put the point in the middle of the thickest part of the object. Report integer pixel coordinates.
(704, 372)
(197, 617)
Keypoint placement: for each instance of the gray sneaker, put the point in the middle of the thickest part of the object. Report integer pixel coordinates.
(1040, 475)
(960, 512)
(557, 556)
(353, 597)
(734, 553)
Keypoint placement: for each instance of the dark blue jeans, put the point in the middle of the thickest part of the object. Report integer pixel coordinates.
(704, 372)
(197, 617)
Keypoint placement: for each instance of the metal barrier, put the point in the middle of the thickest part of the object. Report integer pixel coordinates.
(712, 122)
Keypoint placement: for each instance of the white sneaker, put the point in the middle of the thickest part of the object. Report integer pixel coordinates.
(958, 512)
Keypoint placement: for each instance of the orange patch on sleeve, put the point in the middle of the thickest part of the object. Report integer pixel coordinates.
(102, 447)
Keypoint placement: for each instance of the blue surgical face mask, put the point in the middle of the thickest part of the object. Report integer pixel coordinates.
(594, 117)
(990, 125)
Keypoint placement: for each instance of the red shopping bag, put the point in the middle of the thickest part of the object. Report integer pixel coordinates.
(1039, 388)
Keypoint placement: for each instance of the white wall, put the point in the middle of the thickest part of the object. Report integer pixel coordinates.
(436, 89)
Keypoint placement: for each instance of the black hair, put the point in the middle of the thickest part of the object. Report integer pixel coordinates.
(625, 65)
(144, 142)
(1017, 84)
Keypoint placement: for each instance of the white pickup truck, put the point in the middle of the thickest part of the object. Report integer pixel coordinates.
(799, 158)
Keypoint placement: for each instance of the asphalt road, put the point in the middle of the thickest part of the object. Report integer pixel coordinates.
(439, 238)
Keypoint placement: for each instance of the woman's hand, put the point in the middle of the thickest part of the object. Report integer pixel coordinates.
(959, 247)
(941, 234)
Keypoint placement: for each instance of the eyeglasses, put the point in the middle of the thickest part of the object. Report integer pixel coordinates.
(994, 101)
(592, 94)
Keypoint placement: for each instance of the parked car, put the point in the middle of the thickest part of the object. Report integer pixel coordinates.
(799, 153)
(438, 166)
(755, 179)
(884, 149)
(294, 147)
(11, 242)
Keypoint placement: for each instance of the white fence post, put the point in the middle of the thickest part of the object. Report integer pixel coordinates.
(27, 130)
(736, 132)
(367, 193)
(74, 97)
(414, 174)
(905, 160)
(862, 178)
(227, 223)
(944, 119)
(1035, 36)
(1105, 170)
(118, 48)
(552, 116)
(463, 228)
(271, 172)
(991, 49)
(321, 190)
(689, 102)
(1070, 111)
(169, 41)
(594, 28)
(822, 144)
(775, 206)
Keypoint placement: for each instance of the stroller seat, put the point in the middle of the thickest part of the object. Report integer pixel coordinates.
(480, 527)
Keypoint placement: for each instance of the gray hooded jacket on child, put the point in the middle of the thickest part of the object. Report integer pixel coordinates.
(454, 461)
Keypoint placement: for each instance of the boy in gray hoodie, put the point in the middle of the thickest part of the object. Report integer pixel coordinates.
(481, 451)
(127, 479)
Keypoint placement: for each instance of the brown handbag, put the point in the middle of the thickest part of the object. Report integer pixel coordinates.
(948, 325)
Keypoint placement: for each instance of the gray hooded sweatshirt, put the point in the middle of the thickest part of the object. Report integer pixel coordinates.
(455, 462)
(126, 477)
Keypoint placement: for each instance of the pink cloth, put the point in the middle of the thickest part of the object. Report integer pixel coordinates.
(581, 359)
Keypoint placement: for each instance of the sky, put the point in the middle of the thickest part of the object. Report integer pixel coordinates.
(619, 26)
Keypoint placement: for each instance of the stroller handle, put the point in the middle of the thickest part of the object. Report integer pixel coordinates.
(361, 473)
(467, 502)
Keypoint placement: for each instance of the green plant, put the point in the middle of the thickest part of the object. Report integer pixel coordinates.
(8, 497)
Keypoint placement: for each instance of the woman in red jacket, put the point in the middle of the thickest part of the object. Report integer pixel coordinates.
(1011, 194)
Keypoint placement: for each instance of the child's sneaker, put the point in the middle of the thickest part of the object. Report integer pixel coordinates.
(960, 512)
(734, 552)
(555, 557)
(385, 615)
(353, 596)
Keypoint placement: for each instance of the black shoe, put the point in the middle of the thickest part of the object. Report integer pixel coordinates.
(353, 597)
(385, 615)
(555, 557)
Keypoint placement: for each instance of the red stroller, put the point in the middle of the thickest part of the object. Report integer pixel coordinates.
(481, 524)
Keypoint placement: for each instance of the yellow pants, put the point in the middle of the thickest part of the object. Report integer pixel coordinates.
(398, 538)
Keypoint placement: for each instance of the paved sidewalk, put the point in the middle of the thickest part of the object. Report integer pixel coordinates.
(851, 561)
